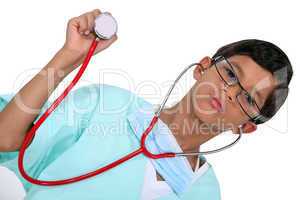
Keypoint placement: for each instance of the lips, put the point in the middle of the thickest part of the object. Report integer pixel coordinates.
(216, 104)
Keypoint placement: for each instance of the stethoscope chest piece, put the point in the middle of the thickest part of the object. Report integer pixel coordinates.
(105, 26)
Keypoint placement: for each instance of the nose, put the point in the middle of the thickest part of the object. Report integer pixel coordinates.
(231, 92)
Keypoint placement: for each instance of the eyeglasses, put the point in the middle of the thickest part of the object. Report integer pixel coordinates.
(229, 77)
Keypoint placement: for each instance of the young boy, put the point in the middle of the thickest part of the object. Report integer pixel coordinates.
(242, 85)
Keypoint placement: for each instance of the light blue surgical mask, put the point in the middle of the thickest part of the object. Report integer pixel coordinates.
(176, 171)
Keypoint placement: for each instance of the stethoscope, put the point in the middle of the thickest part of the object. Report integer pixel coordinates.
(105, 28)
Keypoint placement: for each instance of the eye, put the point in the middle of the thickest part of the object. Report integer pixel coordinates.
(231, 74)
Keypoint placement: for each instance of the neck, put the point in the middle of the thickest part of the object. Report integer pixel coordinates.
(185, 126)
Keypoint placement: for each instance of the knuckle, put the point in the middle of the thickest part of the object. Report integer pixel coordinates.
(96, 12)
(83, 16)
(82, 20)
(72, 20)
(90, 15)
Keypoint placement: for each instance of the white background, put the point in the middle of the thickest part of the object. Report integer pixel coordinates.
(156, 39)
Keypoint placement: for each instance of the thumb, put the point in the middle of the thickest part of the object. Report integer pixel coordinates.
(103, 44)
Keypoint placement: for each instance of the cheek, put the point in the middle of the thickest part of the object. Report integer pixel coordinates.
(201, 97)
(233, 114)
(208, 86)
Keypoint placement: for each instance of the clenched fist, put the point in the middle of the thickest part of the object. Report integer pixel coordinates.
(80, 34)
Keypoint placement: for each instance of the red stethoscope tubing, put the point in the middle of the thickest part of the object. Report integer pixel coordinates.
(29, 136)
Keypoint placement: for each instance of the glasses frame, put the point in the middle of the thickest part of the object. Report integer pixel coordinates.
(220, 58)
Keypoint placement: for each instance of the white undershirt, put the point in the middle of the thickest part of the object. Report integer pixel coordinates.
(153, 189)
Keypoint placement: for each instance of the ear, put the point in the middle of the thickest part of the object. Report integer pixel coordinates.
(248, 127)
(204, 63)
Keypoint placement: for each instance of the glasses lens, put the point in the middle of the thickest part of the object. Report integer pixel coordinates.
(226, 72)
(247, 103)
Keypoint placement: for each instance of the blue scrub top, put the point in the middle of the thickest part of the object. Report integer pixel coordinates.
(91, 128)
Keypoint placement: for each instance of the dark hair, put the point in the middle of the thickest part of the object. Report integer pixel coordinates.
(271, 58)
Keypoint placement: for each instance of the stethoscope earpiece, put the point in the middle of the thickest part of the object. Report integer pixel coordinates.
(105, 26)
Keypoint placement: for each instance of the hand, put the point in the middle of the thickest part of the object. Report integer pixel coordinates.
(79, 37)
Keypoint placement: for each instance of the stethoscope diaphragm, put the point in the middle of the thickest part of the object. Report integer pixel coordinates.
(105, 26)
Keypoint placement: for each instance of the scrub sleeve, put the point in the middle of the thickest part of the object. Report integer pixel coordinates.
(58, 133)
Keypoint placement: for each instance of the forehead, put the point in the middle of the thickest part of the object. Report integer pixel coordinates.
(256, 80)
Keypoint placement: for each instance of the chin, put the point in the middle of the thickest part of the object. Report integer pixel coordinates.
(208, 119)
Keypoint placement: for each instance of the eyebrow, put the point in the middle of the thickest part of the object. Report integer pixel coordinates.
(238, 68)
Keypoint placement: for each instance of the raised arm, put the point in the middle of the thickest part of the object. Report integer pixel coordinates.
(17, 117)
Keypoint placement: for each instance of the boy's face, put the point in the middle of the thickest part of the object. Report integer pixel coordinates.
(252, 77)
